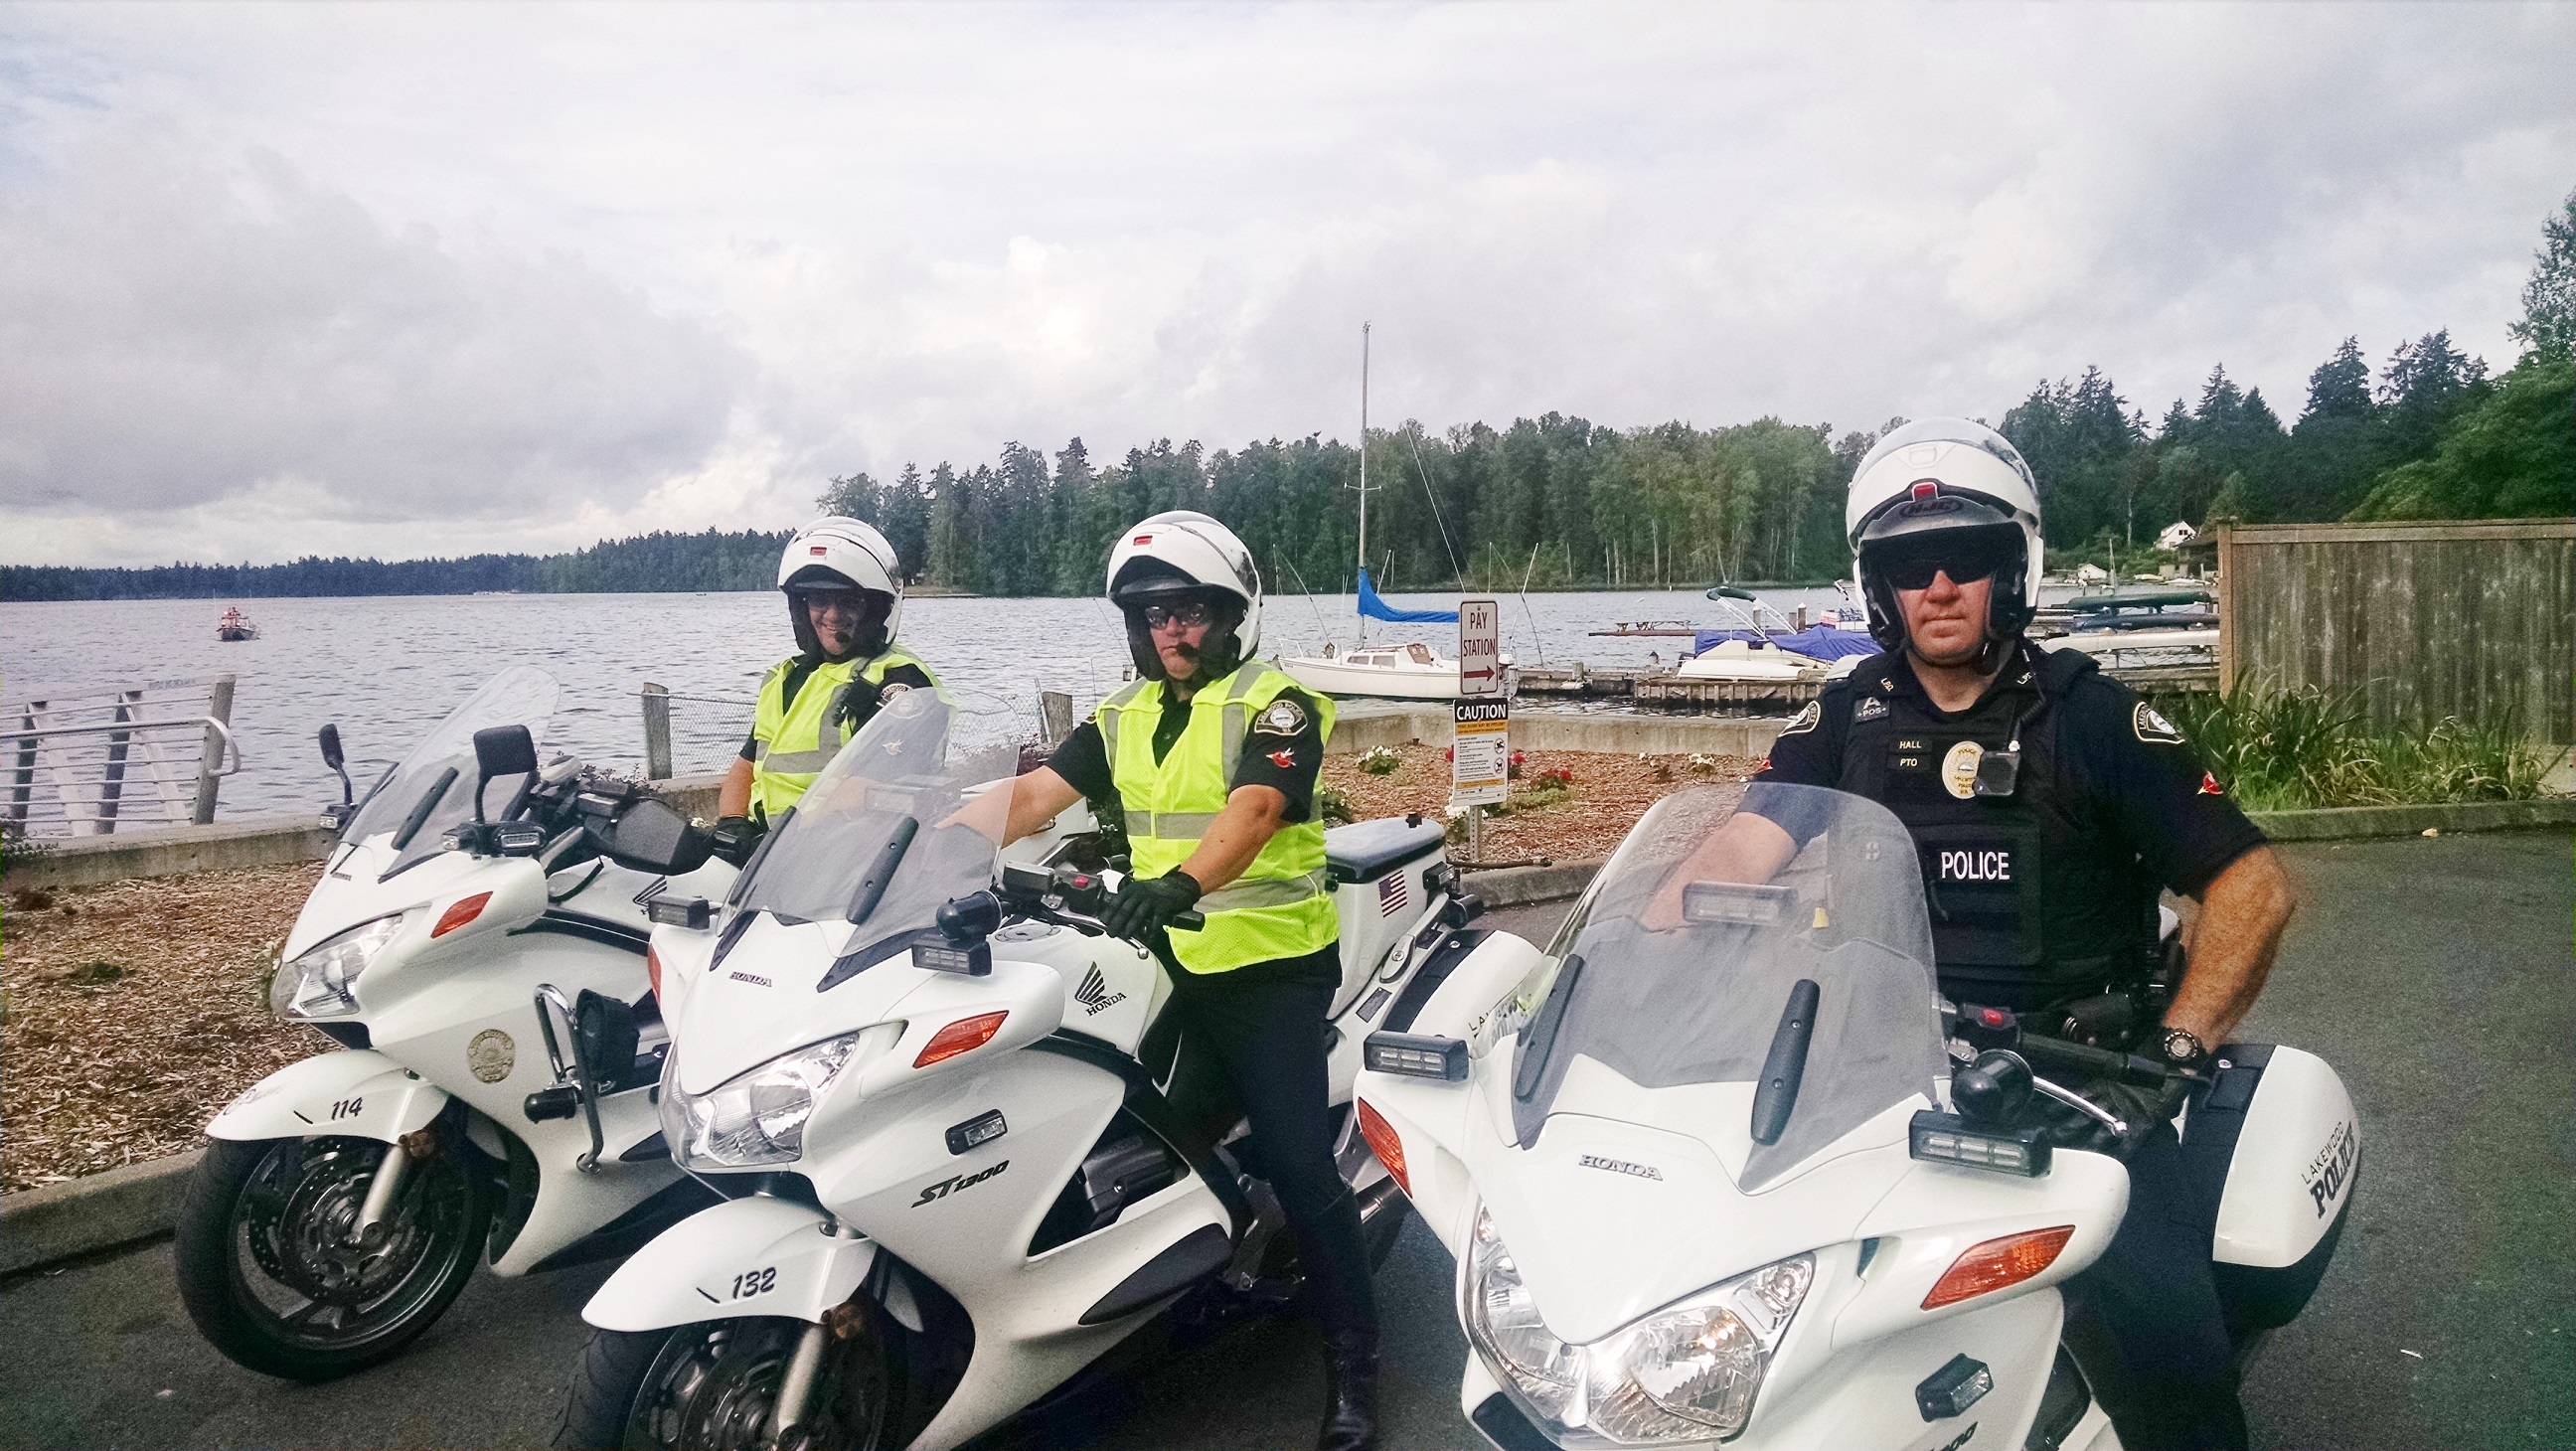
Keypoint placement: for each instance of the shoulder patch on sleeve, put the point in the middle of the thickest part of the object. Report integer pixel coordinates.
(1806, 721)
(2151, 726)
(1281, 717)
(893, 688)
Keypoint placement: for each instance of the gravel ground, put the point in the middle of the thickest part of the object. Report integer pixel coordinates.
(1609, 794)
(136, 1009)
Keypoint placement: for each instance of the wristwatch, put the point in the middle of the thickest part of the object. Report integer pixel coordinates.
(2183, 1050)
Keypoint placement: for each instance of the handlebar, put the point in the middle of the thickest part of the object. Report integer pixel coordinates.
(2002, 1028)
(1071, 897)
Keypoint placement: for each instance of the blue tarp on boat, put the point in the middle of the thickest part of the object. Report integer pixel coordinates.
(1817, 642)
(1377, 608)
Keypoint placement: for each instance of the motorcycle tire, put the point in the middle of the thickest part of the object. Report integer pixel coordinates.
(263, 1228)
(711, 1386)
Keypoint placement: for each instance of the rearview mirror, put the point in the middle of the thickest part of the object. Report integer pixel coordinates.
(652, 836)
(504, 751)
(331, 756)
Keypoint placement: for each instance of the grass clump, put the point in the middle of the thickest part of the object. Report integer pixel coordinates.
(2291, 750)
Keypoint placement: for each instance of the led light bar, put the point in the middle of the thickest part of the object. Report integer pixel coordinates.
(932, 952)
(679, 912)
(977, 1131)
(1946, 1138)
(1416, 1055)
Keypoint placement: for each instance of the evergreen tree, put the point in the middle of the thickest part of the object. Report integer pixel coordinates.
(2548, 323)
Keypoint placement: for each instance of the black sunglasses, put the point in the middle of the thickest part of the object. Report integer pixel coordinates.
(1965, 565)
(1189, 615)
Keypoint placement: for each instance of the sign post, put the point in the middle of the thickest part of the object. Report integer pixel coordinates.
(1481, 755)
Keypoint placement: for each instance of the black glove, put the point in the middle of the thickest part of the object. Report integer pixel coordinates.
(1144, 905)
(2141, 1108)
(733, 837)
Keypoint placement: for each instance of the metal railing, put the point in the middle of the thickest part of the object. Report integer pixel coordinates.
(1052, 720)
(154, 755)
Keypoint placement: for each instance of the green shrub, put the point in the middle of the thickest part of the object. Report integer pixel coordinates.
(2288, 750)
(1380, 760)
(1334, 807)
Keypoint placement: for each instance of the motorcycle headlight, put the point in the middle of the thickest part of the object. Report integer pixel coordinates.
(1685, 1373)
(317, 983)
(755, 1119)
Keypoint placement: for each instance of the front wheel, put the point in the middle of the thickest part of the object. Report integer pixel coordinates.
(714, 1386)
(275, 1276)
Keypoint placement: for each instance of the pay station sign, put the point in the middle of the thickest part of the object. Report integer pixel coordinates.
(1480, 762)
(1480, 647)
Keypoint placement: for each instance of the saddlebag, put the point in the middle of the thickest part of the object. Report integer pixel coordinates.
(2276, 1143)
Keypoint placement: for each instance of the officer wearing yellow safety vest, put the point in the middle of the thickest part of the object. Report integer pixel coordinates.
(1213, 756)
(845, 601)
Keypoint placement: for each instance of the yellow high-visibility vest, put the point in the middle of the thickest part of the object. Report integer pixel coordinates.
(1279, 907)
(793, 740)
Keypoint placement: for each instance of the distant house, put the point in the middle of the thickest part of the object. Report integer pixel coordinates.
(2175, 535)
(2092, 574)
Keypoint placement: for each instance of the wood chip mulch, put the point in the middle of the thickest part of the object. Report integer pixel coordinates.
(135, 1011)
(1610, 793)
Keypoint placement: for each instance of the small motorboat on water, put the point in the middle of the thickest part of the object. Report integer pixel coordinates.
(1412, 671)
(1761, 653)
(235, 626)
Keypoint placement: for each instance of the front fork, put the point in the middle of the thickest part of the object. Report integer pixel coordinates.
(391, 1174)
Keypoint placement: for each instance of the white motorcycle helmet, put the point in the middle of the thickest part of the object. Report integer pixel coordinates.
(1184, 554)
(1944, 485)
(838, 553)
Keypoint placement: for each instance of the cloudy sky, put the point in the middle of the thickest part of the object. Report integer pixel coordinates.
(408, 280)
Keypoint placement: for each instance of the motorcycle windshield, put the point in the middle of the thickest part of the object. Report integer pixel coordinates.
(1681, 963)
(884, 836)
(432, 789)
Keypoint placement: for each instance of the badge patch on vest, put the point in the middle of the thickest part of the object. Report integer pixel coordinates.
(2152, 727)
(893, 689)
(1959, 769)
(1870, 708)
(1806, 720)
(1281, 717)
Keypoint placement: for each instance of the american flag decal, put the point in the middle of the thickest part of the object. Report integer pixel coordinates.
(1391, 895)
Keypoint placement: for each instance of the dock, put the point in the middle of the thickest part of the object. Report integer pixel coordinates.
(1662, 689)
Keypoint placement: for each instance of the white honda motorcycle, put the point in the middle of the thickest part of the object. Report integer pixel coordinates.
(1711, 1175)
(954, 1183)
(477, 946)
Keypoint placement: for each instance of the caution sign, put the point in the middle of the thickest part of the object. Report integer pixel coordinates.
(1480, 763)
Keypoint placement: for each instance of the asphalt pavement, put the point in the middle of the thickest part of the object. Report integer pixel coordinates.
(2436, 974)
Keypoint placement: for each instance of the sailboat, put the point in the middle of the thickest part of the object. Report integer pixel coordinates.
(1409, 671)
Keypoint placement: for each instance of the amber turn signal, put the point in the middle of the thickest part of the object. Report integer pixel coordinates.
(963, 1036)
(1997, 1263)
(1384, 1143)
(465, 910)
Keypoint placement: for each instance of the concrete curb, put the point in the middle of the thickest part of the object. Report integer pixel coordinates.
(2345, 823)
(99, 1211)
(1520, 886)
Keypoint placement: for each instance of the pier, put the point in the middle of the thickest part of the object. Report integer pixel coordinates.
(1662, 689)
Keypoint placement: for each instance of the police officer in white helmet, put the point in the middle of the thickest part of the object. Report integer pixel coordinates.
(844, 603)
(2050, 805)
(1212, 757)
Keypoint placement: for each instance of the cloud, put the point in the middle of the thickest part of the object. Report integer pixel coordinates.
(553, 268)
(181, 329)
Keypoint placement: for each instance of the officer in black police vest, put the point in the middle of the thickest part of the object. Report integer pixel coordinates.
(2049, 804)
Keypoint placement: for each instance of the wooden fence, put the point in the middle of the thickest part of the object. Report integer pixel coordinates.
(2420, 621)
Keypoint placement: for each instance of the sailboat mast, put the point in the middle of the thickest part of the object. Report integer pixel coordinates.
(1363, 549)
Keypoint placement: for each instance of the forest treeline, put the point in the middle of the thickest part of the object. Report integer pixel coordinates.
(1560, 501)
(649, 563)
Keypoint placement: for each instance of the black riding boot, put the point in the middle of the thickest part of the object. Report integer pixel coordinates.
(1350, 1392)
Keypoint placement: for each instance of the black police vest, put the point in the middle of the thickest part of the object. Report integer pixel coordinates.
(2032, 902)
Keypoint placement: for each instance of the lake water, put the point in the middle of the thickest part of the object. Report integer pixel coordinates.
(385, 668)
